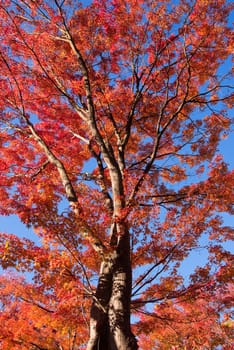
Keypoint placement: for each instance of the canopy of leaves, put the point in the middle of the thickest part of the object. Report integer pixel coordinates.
(114, 113)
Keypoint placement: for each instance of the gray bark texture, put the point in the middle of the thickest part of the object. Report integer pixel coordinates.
(110, 313)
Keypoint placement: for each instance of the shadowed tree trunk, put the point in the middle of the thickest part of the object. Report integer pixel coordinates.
(110, 314)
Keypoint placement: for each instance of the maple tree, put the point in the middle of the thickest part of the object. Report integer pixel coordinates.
(111, 118)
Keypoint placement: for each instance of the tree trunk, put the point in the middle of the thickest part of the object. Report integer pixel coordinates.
(110, 313)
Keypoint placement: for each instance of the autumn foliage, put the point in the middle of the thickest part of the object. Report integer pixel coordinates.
(111, 119)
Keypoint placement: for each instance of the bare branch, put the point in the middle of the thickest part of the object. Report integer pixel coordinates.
(165, 260)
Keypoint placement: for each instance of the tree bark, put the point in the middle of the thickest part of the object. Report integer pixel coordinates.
(110, 327)
(99, 311)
